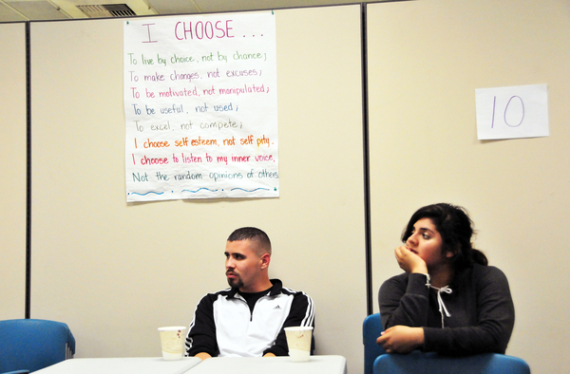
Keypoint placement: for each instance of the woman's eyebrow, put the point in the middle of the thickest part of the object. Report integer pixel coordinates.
(425, 229)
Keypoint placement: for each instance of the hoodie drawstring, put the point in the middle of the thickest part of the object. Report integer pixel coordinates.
(442, 307)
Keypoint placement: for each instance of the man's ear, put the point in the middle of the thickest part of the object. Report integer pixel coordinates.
(265, 260)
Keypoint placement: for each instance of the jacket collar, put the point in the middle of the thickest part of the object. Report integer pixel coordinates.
(274, 290)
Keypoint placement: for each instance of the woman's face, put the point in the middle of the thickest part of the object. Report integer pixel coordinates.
(426, 242)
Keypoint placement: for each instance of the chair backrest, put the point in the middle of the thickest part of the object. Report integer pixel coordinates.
(431, 363)
(32, 344)
(371, 329)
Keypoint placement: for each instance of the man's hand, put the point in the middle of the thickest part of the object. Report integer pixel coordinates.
(401, 339)
(203, 355)
(409, 261)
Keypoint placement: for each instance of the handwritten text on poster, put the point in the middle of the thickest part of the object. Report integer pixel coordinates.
(201, 107)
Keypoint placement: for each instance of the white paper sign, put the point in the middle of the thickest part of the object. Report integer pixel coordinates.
(201, 107)
(512, 112)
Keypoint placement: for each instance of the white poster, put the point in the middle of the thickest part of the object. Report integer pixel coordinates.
(201, 107)
(512, 112)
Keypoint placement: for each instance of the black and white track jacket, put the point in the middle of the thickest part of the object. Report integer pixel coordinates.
(224, 326)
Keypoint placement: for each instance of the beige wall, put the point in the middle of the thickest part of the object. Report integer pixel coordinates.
(426, 60)
(116, 271)
(13, 171)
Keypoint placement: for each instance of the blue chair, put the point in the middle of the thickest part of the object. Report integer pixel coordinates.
(27, 345)
(371, 329)
(376, 361)
(430, 363)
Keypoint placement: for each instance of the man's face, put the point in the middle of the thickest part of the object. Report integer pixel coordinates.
(243, 264)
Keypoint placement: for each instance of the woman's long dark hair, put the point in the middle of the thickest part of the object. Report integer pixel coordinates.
(456, 229)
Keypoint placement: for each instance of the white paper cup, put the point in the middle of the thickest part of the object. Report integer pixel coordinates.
(172, 340)
(299, 342)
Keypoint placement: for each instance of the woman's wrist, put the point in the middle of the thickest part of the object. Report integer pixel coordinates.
(420, 268)
(419, 337)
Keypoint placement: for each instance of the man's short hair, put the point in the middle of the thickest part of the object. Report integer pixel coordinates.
(253, 234)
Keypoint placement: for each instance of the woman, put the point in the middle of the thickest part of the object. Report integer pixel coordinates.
(448, 300)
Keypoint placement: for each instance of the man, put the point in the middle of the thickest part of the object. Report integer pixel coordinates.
(247, 319)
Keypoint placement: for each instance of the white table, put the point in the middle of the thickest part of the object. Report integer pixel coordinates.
(271, 365)
(135, 365)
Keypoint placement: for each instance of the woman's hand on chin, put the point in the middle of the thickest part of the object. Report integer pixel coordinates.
(409, 261)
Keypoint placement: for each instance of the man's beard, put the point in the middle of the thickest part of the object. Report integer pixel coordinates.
(235, 282)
